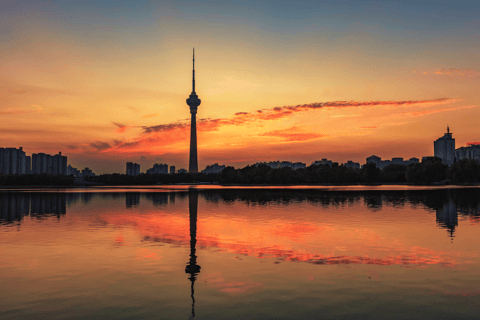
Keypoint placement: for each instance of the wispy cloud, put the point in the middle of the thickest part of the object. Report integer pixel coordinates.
(276, 113)
(425, 112)
(293, 134)
(468, 73)
(149, 115)
(100, 145)
(121, 127)
(16, 111)
(168, 134)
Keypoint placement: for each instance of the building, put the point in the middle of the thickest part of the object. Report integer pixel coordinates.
(379, 163)
(14, 161)
(133, 169)
(323, 161)
(282, 164)
(444, 148)
(45, 163)
(59, 164)
(71, 171)
(28, 165)
(214, 168)
(87, 173)
(41, 163)
(472, 151)
(193, 102)
(158, 169)
(180, 171)
(172, 169)
(351, 164)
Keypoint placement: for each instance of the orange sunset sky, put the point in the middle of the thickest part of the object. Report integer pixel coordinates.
(106, 82)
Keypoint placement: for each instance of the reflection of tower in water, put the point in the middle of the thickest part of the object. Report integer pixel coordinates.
(447, 217)
(192, 268)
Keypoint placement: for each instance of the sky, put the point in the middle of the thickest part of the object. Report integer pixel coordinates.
(106, 82)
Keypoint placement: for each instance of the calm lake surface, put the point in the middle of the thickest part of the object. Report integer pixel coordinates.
(240, 253)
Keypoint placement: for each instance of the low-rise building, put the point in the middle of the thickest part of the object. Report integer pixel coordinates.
(282, 164)
(214, 168)
(158, 168)
(379, 163)
(351, 164)
(323, 161)
(472, 151)
(87, 173)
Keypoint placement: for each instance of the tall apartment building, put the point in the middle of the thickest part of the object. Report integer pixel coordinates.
(444, 148)
(45, 163)
(133, 169)
(13, 161)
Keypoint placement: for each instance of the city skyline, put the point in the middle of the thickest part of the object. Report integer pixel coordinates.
(105, 84)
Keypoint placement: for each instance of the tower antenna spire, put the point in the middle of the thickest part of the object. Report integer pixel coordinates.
(193, 73)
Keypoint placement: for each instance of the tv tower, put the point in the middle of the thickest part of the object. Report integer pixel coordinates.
(193, 102)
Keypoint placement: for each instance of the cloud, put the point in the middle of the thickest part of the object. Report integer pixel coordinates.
(15, 111)
(100, 146)
(292, 134)
(368, 127)
(425, 112)
(121, 127)
(453, 73)
(149, 115)
(168, 134)
(241, 118)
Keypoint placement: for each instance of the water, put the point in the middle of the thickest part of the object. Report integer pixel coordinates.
(226, 253)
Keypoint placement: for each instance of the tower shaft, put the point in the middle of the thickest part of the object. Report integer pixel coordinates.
(193, 163)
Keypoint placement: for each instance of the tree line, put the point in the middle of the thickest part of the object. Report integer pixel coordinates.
(425, 173)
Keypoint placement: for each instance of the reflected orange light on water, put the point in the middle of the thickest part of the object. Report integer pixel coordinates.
(316, 242)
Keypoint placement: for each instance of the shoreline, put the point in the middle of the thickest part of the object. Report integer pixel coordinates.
(210, 186)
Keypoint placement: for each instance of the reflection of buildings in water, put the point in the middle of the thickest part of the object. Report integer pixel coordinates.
(158, 198)
(43, 204)
(132, 199)
(192, 267)
(172, 197)
(447, 217)
(87, 197)
(15, 206)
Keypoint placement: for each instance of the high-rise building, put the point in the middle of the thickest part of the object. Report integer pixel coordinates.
(172, 169)
(13, 161)
(42, 163)
(133, 169)
(444, 148)
(193, 102)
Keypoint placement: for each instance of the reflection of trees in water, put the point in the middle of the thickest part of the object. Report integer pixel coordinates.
(447, 203)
